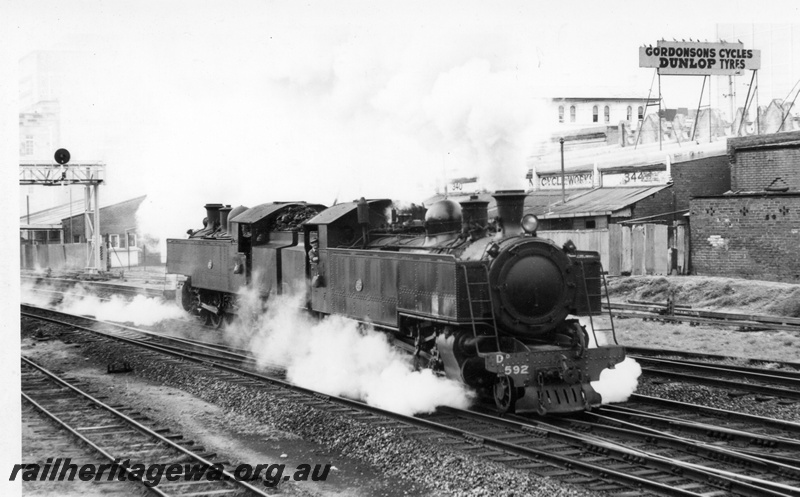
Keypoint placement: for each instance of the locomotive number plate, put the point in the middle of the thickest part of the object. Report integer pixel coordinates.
(515, 365)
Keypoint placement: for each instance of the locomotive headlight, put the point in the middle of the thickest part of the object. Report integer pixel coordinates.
(529, 223)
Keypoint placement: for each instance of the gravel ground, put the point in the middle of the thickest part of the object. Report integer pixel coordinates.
(421, 464)
(751, 404)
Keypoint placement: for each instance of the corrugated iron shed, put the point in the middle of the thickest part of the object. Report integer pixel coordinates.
(600, 202)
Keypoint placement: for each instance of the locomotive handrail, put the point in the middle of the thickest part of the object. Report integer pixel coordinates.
(472, 312)
(608, 303)
(602, 278)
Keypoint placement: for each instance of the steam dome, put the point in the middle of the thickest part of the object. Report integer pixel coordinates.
(443, 216)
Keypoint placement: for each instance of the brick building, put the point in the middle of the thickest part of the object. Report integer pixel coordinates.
(703, 176)
(655, 191)
(753, 231)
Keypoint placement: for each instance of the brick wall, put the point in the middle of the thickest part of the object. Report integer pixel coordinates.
(756, 161)
(701, 177)
(753, 236)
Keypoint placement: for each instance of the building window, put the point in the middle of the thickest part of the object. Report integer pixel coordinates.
(572, 113)
(28, 147)
(591, 224)
(131, 239)
(594, 114)
(607, 113)
(561, 113)
(113, 241)
(641, 112)
(562, 224)
(629, 113)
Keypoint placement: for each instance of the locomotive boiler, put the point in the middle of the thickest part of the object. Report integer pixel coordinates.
(485, 302)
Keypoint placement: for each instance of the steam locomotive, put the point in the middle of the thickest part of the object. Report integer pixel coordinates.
(486, 302)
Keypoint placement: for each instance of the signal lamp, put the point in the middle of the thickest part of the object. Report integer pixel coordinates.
(529, 223)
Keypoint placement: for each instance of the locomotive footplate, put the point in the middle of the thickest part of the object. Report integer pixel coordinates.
(550, 379)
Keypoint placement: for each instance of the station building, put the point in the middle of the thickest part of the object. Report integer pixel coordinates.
(55, 238)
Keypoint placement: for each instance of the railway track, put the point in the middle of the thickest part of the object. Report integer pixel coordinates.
(611, 459)
(628, 460)
(68, 283)
(752, 363)
(119, 436)
(772, 439)
(664, 312)
(759, 381)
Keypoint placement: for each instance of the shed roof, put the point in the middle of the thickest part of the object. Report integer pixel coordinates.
(600, 202)
(52, 216)
(537, 202)
(124, 211)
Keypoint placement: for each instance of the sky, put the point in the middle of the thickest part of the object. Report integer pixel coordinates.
(249, 101)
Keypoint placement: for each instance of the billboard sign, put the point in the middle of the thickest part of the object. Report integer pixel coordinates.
(572, 181)
(636, 178)
(699, 58)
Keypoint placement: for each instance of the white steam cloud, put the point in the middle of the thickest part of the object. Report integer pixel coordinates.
(141, 310)
(617, 384)
(336, 356)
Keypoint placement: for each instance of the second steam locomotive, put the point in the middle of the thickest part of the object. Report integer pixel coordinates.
(491, 308)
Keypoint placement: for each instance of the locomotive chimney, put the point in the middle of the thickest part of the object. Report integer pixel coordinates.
(475, 215)
(212, 212)
(223, 217)
(510, 205)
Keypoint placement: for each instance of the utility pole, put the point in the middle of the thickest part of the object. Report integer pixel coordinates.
(563, 188)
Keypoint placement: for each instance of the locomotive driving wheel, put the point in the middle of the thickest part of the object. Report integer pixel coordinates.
(195, 309)
(505, 394)
(215, 319)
